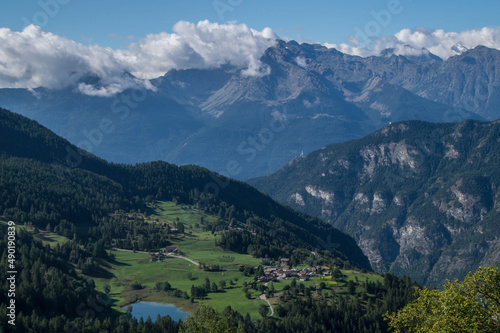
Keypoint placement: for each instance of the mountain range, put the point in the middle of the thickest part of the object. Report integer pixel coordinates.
(421, 199)
(246, 126)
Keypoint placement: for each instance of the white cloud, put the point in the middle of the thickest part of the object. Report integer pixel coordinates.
(33, 58)
(301, 61)
(414, 42)
(202, 45)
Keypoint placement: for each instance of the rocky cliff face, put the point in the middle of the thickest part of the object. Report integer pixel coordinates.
(420, 199)
(470, 81)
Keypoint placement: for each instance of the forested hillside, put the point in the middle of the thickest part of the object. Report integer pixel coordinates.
(420, 199)
(45, 180)
(96, 206)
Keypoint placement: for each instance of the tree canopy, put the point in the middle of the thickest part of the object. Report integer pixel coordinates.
(471, 305)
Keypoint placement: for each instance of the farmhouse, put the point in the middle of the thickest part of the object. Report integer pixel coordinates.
(171, 249)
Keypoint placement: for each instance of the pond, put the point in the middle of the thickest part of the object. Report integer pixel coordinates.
(152, 309)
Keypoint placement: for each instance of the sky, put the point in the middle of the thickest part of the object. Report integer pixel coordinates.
(110, 22)
(54, 43)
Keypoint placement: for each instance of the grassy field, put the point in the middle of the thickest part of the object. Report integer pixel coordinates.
(169, 212)
(50, 238)
(45, 236)
(196, 245)
(200, 246)
(129, 267)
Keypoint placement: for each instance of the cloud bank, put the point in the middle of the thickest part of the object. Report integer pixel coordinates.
(33, 58)
(414, 42)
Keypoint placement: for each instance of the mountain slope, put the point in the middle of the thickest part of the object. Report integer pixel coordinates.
(469, 81)
(46, 180)
(246, 126)
(420, 199)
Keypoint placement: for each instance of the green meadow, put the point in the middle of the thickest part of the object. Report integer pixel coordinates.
(195, 244)
(44, 236)
(129, 268)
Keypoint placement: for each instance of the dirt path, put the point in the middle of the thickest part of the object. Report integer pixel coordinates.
(263, 297)
(125, 250)
(180, 257)
(167, 254)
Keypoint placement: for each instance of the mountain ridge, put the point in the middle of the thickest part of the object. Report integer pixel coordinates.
(420, 199)
(43, 186)
(209, 116)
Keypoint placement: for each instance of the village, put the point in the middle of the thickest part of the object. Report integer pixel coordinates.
(279, 271)
(283, 272)
(160, 255)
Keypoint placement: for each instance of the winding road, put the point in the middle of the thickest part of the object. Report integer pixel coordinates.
(263, 297)
(167, 254)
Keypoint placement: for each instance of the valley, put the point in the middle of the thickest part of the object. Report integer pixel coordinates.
(229, 278)
(90, 229)
(277, 177)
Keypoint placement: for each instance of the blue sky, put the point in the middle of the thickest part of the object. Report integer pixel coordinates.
(150, 37)
(106, 22)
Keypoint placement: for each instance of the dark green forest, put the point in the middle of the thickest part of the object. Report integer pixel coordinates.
(47, 181)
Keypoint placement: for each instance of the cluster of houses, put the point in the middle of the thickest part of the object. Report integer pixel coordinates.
(271, 273)
(158, 256)
(283, 272)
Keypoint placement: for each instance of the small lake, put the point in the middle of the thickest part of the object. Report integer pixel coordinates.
(152, 309)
